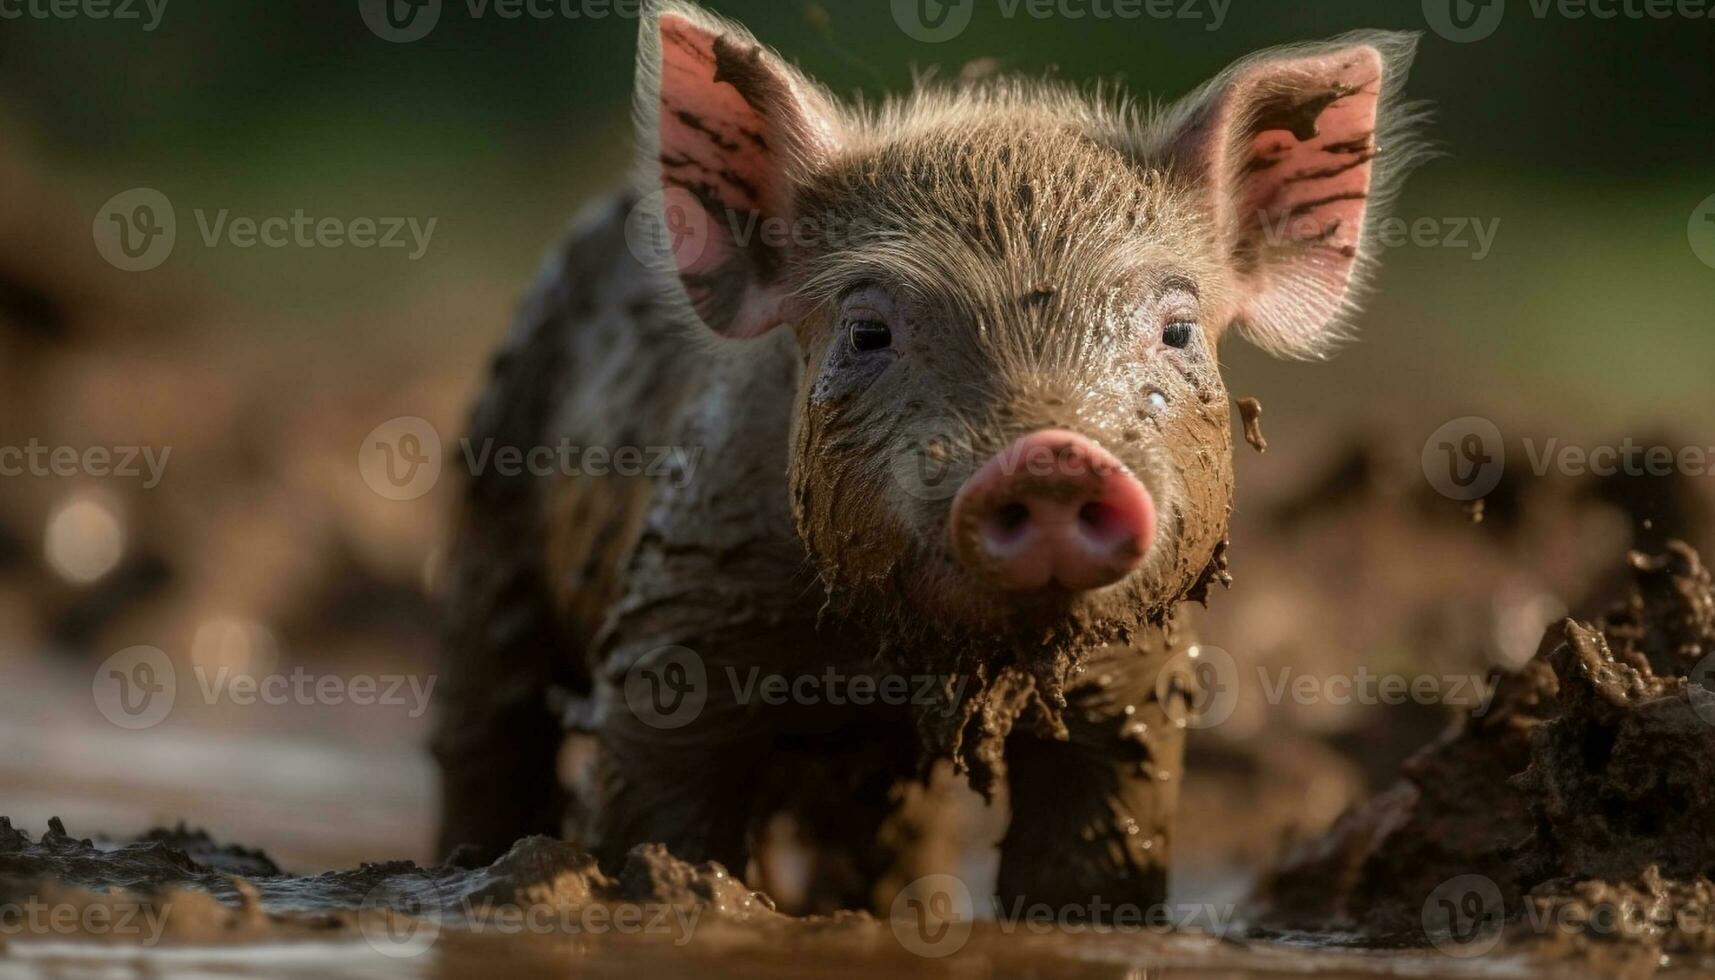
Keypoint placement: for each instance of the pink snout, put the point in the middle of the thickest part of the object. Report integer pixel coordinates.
(1052, 508)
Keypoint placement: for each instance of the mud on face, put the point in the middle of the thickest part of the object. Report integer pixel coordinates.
(1007, 296)
(1011, 413)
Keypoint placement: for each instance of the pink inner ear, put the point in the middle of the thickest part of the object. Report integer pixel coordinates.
(731, 118)
(713, 143)
(1305, 177)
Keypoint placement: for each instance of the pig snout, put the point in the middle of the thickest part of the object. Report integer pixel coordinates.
(1053, 508)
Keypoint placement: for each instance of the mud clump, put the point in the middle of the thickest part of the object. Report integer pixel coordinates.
(1583, 792)
(1250, 410)
(181, 886)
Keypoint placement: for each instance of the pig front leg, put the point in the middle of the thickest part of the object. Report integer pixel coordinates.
(1092, 817)
(678, 765)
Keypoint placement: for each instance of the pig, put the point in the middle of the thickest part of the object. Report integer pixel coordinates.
(945, 453)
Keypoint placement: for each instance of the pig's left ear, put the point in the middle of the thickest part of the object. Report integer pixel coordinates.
(1299, 150)
(725, 130)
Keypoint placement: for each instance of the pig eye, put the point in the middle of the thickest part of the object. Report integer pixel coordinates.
(869, 335)
(1178, 333)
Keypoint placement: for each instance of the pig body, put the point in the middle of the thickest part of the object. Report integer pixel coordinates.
(560, 586)
(953, 450)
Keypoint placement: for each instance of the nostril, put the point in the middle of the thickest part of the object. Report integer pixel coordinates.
(1007, 527)
(1012, 516)
(1103, 523)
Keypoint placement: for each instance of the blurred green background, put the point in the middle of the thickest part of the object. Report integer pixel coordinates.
(1590, 141)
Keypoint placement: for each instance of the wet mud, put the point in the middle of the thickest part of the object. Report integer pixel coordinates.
(180, 885)
(150, 906)
(1250, 411)
(1575, 810)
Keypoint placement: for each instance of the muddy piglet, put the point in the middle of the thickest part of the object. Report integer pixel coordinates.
(943, 448)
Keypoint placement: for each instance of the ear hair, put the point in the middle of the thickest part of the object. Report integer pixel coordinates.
(743, 127)
(1304, 291)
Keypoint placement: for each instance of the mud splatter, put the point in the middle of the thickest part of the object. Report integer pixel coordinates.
(1250, 409)
(1582, 792)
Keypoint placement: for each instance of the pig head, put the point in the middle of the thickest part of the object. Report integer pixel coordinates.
(1012, 432)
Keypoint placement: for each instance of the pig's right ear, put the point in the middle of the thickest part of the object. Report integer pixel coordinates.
(725, 129)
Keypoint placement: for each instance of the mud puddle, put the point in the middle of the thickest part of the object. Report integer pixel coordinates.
(1564, 829)
(178, 902)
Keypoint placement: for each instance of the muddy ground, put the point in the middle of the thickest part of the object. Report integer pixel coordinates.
(1559, 823)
